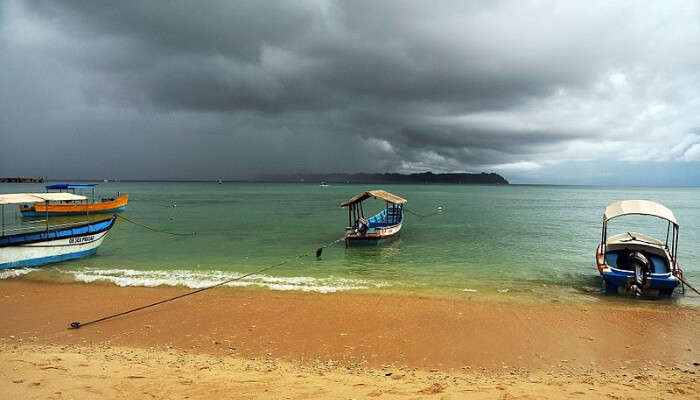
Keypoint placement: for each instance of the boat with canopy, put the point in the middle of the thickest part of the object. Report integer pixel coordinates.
(633, 263)
(25, 247)
(111, 204)
(384, 225)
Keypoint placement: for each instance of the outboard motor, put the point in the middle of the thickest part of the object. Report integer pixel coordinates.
(640, 264)
(362, 226)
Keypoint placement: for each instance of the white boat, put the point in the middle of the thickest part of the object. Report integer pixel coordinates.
(22, 248)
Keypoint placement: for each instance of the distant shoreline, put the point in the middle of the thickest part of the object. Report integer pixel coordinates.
(359, 178)
(253, 181)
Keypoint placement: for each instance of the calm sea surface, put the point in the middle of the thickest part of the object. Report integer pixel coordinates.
(531, 243)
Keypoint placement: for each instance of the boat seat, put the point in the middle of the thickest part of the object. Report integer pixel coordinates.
(659, 265)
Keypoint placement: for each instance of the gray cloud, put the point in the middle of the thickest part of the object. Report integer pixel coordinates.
(216, 88)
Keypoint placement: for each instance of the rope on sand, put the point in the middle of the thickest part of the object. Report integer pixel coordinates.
(317, 252)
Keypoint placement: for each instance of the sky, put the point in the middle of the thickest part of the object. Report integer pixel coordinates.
(595, 92)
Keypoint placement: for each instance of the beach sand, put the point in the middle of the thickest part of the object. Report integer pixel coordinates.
(242, 343)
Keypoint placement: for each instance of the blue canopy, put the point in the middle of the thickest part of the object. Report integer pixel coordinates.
(71, 186)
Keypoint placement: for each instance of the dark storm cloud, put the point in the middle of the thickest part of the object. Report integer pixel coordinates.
(275, 56)
(249, 87)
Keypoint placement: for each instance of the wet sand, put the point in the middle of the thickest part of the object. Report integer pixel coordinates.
(266, 344)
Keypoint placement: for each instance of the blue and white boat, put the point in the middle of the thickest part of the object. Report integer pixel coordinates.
(382, 227)
(633, 263)
(50, 243)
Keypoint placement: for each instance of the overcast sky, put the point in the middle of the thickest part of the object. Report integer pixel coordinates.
(541, 92)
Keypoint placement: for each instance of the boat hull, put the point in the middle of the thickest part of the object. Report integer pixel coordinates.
(373, 241)
(373, 237)
(105, 207)
(39, 248)
(618, 281)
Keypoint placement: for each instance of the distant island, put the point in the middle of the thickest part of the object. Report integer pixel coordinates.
(425, 178)
(20, 179)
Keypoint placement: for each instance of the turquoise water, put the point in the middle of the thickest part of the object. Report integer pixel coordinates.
(499, 242)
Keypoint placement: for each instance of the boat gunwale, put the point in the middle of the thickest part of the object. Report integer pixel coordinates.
(45, 233)
(605, 268)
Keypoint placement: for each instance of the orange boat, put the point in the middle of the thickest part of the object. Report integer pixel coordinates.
(104, 205)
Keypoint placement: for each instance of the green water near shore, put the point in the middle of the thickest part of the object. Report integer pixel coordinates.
(490, 242)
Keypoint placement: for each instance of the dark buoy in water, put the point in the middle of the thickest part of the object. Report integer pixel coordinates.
(318, 252)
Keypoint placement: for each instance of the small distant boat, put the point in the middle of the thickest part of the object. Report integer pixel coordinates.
(633, 263)
(323, 184)
(219, 182)
(381, 227)
(112, 204)
(22, 248)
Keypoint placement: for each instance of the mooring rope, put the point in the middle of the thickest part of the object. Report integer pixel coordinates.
(421, 216)
(154, 229)
(686, 284)
(318, 251)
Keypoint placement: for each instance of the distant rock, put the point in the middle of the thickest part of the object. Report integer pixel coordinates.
(19, 179)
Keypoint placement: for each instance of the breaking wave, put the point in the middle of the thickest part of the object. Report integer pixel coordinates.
(200, 279)
(13, 273)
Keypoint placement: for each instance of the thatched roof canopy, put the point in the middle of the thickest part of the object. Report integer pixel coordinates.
(377, 194)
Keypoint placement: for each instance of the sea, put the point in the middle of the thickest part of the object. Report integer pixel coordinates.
(520, 243)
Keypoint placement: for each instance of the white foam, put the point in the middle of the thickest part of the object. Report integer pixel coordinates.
(200, 279)
(469, 290)
(13, 273)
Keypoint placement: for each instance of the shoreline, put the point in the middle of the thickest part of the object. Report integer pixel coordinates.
(507, 292)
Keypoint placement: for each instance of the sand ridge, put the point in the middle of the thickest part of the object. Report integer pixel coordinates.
(52, 372)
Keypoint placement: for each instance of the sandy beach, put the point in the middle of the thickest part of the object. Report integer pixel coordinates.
(377, 199)
(238, 343)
